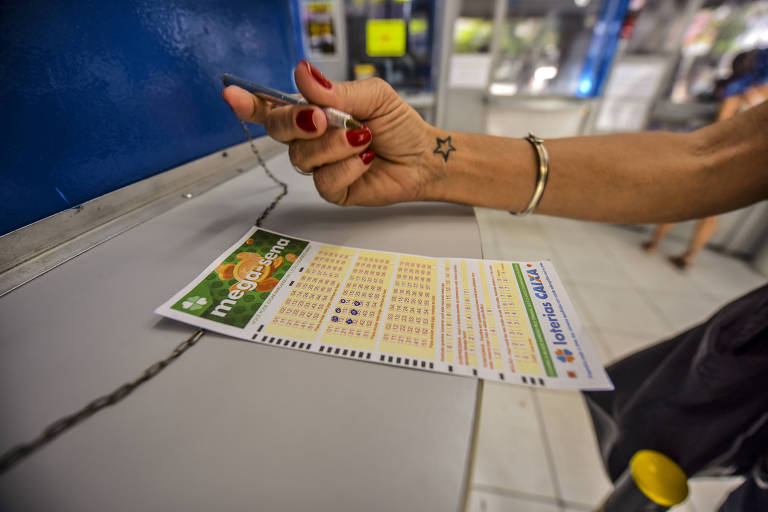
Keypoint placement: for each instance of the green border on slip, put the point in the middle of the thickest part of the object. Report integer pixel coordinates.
(549, 367)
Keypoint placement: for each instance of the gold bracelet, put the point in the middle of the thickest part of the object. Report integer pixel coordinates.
(541, 183)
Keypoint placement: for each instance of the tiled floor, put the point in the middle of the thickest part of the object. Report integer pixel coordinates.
(536, 449)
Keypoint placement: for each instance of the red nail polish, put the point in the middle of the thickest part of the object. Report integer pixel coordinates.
(359, 137)
(317, 75)
(305, 121)
(367, 156)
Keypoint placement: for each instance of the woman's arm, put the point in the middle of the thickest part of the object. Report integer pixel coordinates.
(629, 178)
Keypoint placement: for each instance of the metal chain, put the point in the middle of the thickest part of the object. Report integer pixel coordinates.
(19, 452)
(263, 165)
(58, 427)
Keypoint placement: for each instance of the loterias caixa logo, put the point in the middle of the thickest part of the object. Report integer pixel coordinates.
(564, 355)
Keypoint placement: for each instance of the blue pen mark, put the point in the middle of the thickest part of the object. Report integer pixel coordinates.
(67, 200)
(63, 197)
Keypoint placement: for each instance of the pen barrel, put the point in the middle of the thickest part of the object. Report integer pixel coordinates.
(341, 119)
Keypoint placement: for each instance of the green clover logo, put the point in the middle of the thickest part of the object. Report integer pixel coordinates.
(194, 303)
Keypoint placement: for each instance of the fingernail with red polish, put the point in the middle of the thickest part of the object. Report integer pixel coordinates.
(359, 137)
(317, 75)
(305, 120)
(367, 156)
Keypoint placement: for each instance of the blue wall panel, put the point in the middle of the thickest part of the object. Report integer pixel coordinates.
(96, 95)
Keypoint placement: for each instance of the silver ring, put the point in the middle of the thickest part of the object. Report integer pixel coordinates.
(303, 172)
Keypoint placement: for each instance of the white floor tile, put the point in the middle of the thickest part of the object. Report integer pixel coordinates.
(559, 230)
(616, 235)
(706, 494)
(684, 309)
(505, 237)
(622, 308)
(523, 253)
(510, 450)
(724, 277)
(568, 426)
(483, 501)
(592, 265)
(579, 302)
(620, 344)
(687, 506)
(560, 266)
(603, 353)
(500, 229)
(653, 271)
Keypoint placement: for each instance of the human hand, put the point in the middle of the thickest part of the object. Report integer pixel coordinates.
(383, 163)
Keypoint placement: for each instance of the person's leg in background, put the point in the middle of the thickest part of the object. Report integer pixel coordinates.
(703, 231)
(661, 232)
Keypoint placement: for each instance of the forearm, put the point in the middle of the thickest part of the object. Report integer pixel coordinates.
(630, 178)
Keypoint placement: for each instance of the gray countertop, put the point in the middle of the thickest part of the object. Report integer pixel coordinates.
(231, 425)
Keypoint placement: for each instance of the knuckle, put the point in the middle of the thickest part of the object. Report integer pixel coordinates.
(323, 150)
(381, 87)
(271, 125)
(278, 124)
(328, 145)
(259, 112)
(295, 154)
(377, 82)
(323, 184)
(326, 188)
(349, 165)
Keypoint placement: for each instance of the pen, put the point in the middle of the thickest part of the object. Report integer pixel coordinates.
(335, 117)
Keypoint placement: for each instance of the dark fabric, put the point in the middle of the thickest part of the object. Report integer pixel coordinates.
(750, 496)
(700, 398)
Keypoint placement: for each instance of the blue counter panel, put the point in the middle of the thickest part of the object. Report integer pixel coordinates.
(96, 95)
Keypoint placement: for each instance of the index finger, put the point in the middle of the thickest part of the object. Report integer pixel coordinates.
(246, 106)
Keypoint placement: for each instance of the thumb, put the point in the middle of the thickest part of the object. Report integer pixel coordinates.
(363, 99)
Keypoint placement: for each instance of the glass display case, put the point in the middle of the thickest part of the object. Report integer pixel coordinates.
(718, 33)
(473, 37)
(715, 35)
(649, 43)
(557, 47)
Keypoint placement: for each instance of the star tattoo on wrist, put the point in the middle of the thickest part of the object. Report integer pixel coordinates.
(444, 147)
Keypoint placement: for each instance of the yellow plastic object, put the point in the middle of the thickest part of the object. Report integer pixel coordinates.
(659, 477)
(385, 38)
(362, 71)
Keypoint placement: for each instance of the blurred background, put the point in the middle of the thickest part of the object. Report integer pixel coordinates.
(100, 98)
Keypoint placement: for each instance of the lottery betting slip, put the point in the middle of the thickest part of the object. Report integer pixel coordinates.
(496, 320)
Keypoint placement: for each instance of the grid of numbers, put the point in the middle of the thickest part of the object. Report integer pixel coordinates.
(467, 353)
(358, 309)
(411, 318)
(311, 296)
(447, 316)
